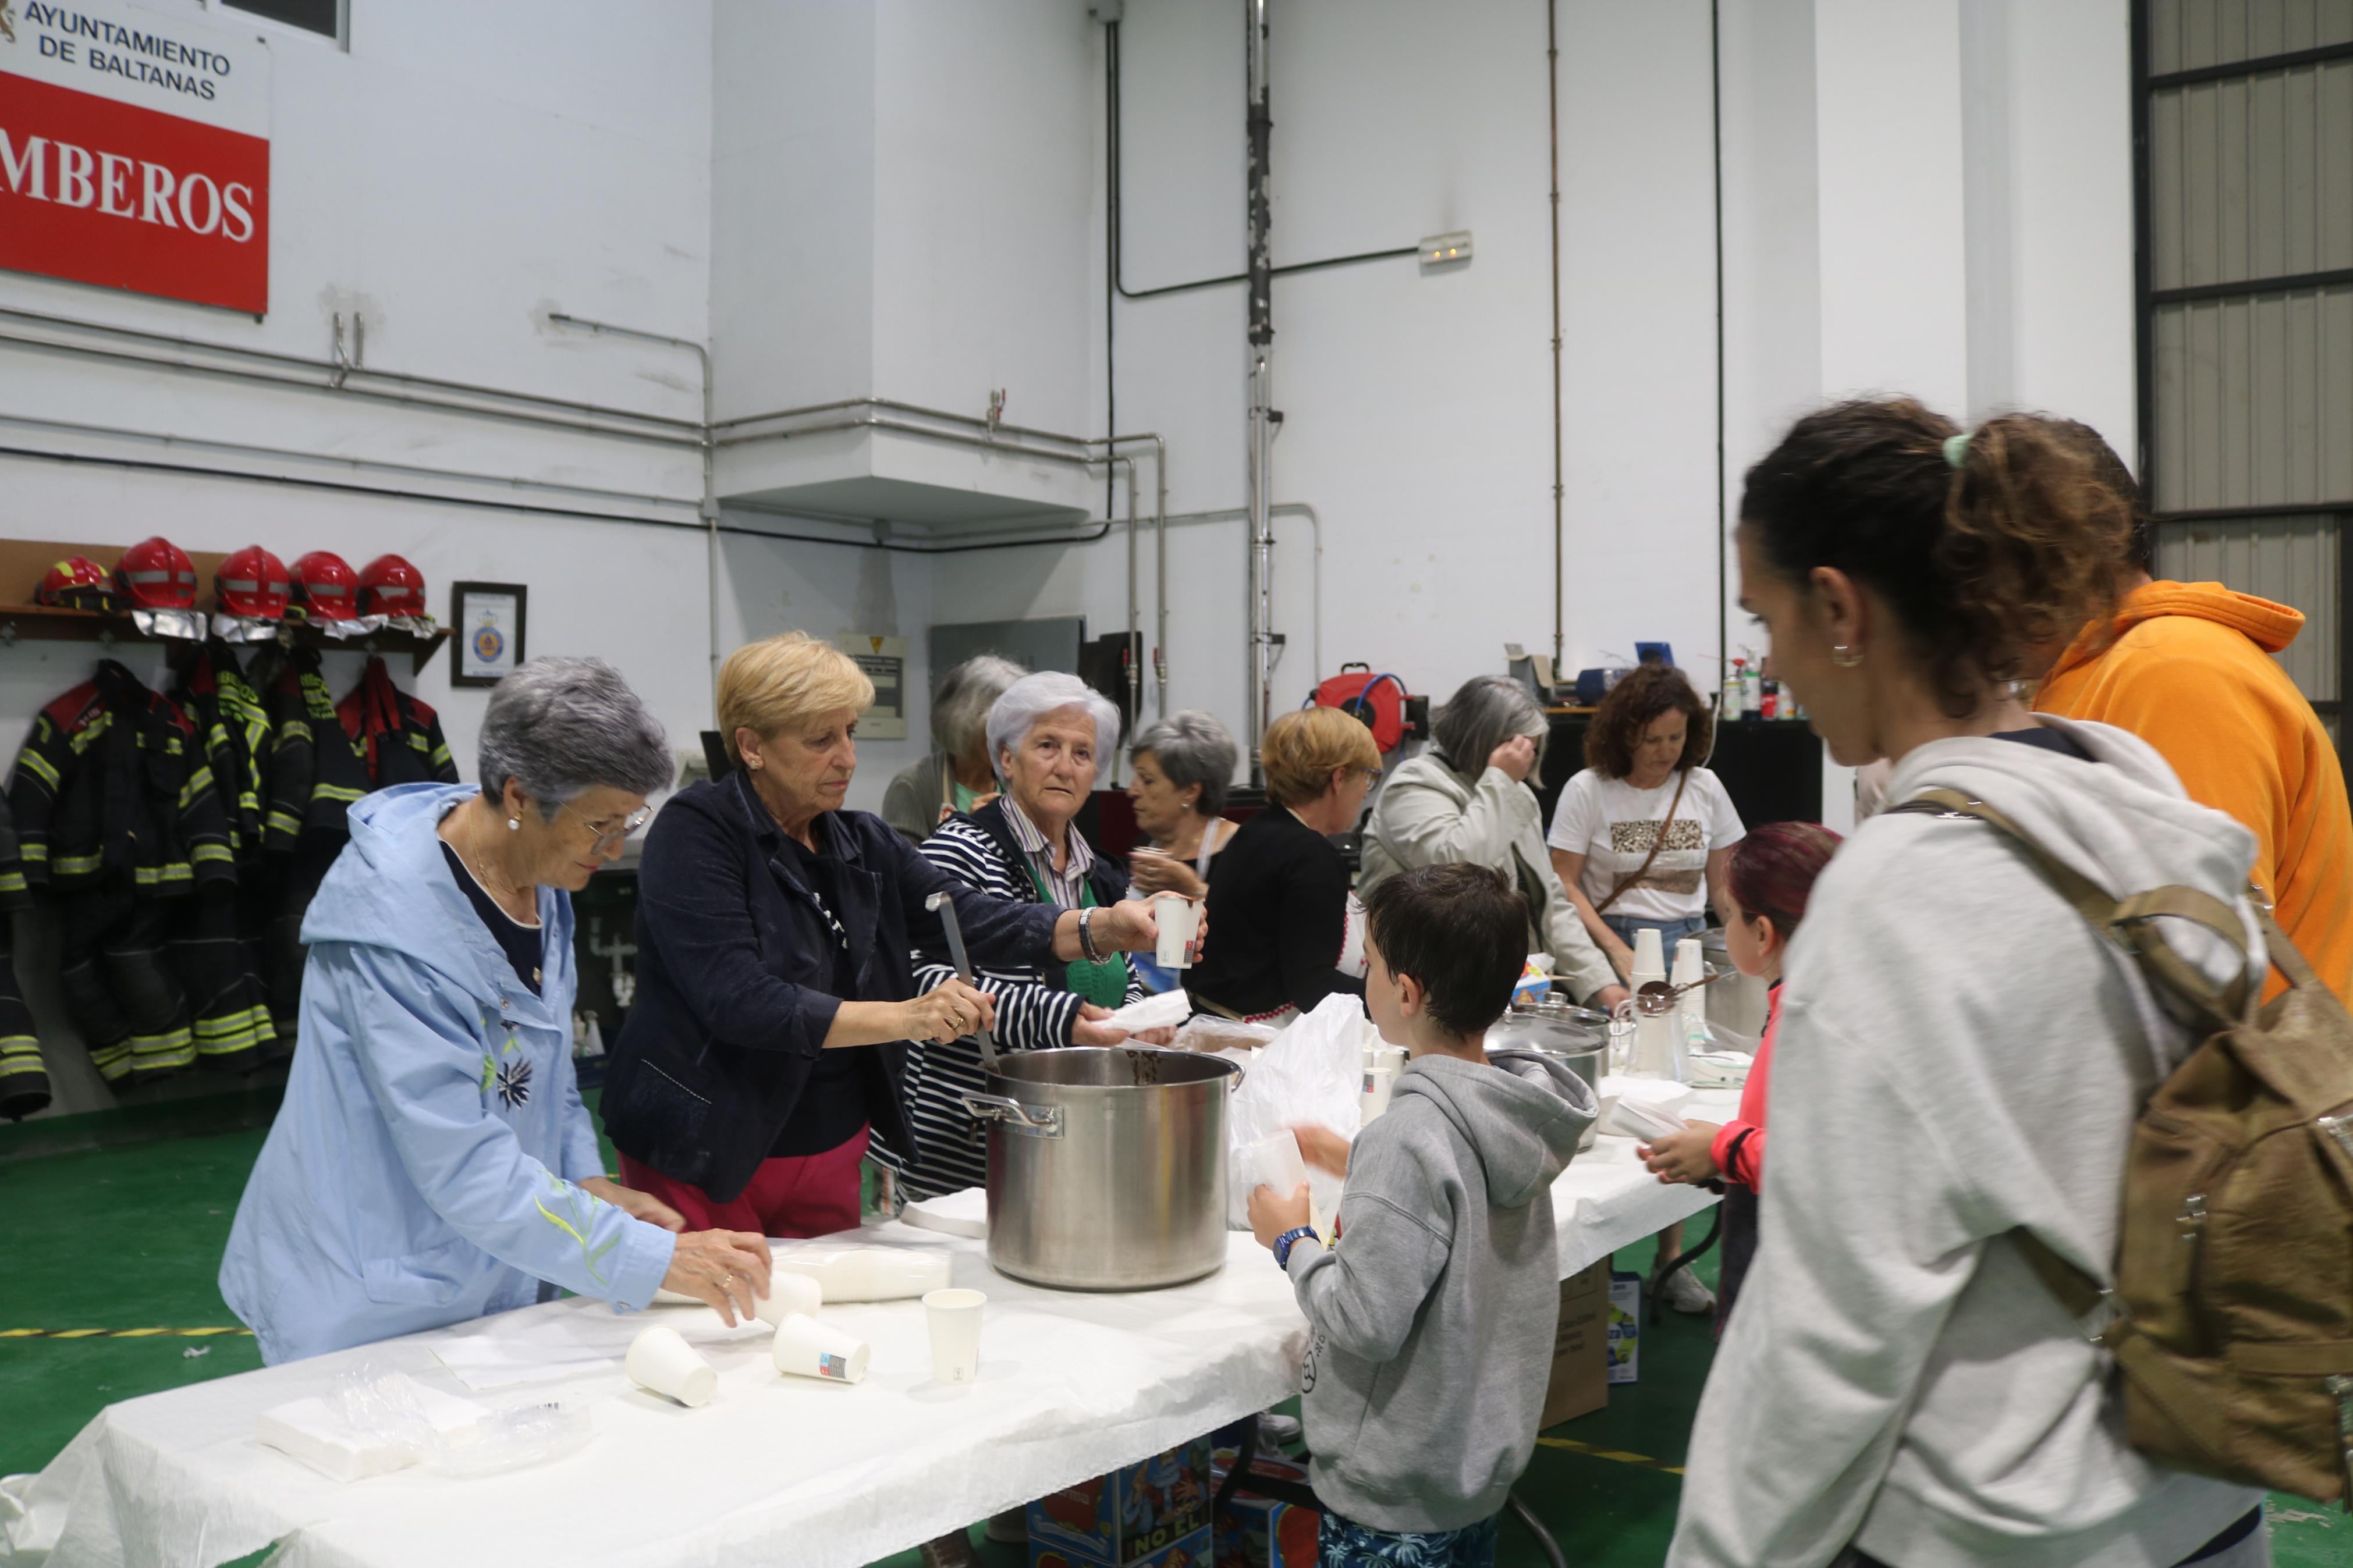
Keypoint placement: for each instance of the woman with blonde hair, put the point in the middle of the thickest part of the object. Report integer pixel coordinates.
(1289, 931)
(775, 988)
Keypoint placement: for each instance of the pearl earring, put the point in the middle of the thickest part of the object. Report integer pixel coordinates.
(1845, 657)
(515, 824)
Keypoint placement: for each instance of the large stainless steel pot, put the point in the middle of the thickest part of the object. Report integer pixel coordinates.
(1106, 1167)
(1583, 1047)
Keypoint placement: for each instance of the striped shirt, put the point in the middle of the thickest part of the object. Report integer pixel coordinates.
(1030, 1015)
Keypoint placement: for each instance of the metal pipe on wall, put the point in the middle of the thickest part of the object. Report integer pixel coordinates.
(1559, 504)
(343, 381)
(1259, 142)
(709, 507)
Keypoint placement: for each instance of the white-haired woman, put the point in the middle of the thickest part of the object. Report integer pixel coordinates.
(1048, 735)
(956, 778)
(1468, 799)
(433, 1162)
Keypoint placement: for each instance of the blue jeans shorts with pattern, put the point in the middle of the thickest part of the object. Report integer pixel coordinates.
(1343, 1544)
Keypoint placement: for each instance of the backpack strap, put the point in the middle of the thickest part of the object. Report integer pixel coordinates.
(2127, 922)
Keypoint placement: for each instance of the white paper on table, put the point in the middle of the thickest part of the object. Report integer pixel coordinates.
(315, 1432)
(1163, 1010)
(963, 1212)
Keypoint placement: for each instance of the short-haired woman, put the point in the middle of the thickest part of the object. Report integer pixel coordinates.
(1641, 836)
(1048, 735)
(956, 778)
(1181, 769)
(775, 985)
(1468, 800)
(1962, 1059)
(1289, 931)
(432, 1161)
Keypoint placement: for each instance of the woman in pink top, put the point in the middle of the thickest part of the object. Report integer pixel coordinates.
(1770, 877)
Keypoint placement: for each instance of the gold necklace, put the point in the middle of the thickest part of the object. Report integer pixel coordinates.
(481, 868)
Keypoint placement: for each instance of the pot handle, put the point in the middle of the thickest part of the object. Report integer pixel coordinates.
(1035, 1120)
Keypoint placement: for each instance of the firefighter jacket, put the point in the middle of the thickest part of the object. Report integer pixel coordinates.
(111, 792)
(316, 769)
(24, 1074)
(233, 727)
(399, 736)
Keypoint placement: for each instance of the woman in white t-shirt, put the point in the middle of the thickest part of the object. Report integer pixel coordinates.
(1642, 775)
(1641, 837)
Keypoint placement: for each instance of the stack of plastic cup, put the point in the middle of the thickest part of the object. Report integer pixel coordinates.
(1655, 1053)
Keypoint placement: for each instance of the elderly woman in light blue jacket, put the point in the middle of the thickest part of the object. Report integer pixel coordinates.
(433, 1162)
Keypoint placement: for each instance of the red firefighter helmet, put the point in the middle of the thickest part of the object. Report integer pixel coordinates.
(326, 586)
(157, 574)
(389, 585)
(77, 583)
(252, 582)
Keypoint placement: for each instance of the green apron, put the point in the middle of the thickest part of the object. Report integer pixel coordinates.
(1103, 982)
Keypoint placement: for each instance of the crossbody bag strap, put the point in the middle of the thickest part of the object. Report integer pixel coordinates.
(1658, 842)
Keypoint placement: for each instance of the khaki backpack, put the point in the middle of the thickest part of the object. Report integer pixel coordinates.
(2231, 1316)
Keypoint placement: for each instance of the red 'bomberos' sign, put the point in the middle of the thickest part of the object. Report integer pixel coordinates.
(134, 151)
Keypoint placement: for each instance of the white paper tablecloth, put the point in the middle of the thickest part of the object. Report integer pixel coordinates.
(1605, 1200)
(777, 1470)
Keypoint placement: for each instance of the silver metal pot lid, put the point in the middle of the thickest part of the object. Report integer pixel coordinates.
(1536, 1032)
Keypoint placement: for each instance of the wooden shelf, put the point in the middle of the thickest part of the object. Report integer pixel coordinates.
(23, 562)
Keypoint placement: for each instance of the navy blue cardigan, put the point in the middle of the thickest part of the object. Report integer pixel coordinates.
(733, 951)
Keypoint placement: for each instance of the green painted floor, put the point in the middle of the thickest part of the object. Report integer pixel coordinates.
(86, 1232)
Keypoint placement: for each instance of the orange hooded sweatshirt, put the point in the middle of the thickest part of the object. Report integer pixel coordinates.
(2190, 672)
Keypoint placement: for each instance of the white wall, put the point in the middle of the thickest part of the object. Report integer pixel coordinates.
(1417, 406)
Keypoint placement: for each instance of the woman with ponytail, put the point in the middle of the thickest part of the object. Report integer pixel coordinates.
(1960, 1058)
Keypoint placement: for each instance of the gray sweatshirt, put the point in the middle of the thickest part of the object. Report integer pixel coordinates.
(1433, 1311)
(1960, 1056)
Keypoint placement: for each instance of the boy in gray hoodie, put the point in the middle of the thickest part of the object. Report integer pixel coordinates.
(1433, 1308)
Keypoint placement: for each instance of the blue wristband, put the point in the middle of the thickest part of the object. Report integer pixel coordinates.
(1288, 1238)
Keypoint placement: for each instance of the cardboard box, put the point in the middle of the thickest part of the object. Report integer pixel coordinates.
(1144, 1516)
(1625, 1328)
(1260, 1532)
(1580, 1347)
(1187, 1551)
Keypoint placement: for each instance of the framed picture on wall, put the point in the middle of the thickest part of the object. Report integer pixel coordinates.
(488, 618)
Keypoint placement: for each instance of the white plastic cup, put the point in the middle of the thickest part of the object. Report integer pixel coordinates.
(1179, 918)
(787, 1294)
(1650, 954)
(954, 1319)
(661, 1360)
(1275, 1161)
(806, 1348)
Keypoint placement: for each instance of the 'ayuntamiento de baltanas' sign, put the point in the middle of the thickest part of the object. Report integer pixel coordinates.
(135, 150)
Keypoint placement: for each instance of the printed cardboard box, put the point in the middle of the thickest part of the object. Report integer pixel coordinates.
(1260, 1532)
(1188, 1552)
(1580, 1347)
(1132, 1518)
(1625, 1327)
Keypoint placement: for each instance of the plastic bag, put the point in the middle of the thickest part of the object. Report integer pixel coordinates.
(1311, 1072)
(387, 1409)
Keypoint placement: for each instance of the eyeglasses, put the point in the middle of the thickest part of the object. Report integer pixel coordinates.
(608, 838)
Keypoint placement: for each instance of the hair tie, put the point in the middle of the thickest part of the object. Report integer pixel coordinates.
(1956, 449)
